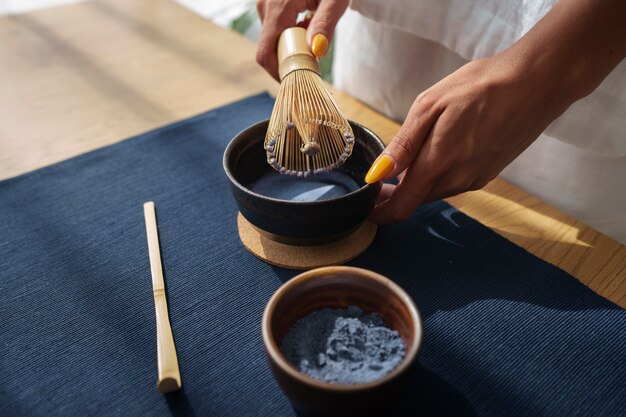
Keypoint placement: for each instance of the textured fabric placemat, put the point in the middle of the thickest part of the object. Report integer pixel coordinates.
(505, 332)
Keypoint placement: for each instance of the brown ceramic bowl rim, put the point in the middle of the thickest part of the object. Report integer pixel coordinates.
(231, 175)
(277, 356)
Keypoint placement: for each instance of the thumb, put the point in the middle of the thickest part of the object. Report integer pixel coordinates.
(322, 25)
(405, 146)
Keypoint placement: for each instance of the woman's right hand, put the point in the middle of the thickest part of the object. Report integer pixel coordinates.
(278, 15)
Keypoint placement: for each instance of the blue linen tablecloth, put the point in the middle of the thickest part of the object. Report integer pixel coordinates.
(505, 333)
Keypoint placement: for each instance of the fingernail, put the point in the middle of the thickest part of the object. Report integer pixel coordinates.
(319, 45)
(379, 169)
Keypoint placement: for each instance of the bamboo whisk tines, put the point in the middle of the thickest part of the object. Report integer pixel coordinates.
(307, 133)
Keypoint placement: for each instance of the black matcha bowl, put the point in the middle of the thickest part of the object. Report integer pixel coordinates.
(301, 222)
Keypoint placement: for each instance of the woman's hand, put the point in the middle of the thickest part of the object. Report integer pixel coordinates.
(278, 15)
(460, 133)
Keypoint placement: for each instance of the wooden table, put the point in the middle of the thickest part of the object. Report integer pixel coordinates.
(78, 77)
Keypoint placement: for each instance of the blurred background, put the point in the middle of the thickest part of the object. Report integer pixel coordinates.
(238, 15)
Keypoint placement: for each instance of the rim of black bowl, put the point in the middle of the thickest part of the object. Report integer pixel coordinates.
(246, 190)
(404, 365)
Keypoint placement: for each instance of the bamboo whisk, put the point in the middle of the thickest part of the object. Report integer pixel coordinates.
(307, 133)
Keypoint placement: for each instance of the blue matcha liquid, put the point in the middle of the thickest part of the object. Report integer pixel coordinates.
(343, 346)
(314, 188)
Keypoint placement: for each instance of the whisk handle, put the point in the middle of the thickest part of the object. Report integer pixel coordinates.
(294, 53)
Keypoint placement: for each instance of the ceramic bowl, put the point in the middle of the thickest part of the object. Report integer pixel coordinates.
(301, 222)
(339, 287)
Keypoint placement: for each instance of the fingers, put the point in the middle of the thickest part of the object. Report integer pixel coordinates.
(276, 16)
(409, 194)
(406, 145)
(409, 154)
(266, 54)
(421, 178)
(425, 183)
(385, 193)
(322, 26)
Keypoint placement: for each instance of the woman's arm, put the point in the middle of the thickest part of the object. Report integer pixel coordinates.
(460, 133)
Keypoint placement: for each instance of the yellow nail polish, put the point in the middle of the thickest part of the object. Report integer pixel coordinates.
(379, 169)
(319, 45)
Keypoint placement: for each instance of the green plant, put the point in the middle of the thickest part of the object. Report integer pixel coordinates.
(326, 64)
(242, 23)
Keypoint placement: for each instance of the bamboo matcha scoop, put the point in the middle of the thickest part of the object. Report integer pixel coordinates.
(169, 374)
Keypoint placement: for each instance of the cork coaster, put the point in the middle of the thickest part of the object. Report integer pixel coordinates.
(305, 257)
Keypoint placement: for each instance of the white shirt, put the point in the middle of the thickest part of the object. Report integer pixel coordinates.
(387, 52)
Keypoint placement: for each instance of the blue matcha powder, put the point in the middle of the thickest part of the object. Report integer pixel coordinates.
(343, 346)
